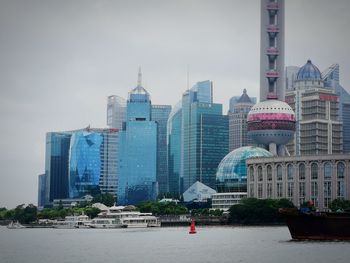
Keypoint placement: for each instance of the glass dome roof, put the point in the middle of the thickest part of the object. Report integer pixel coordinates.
(309, 72)
(232, 171)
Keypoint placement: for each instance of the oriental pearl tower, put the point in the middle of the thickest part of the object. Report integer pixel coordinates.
(271, 122)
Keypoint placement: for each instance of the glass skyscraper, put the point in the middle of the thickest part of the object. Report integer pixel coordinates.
(116, 111)
(197, 139)
(93, 162)
(174, 132)
(160, 114)
(138, 151)
(81, 162)
(56, 165)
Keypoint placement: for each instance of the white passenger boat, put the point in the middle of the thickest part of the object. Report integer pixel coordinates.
(81, 221)
(124, 217)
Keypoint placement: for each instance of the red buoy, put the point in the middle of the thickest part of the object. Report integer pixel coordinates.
(193, 227)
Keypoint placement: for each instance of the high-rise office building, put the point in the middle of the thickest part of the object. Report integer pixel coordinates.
(160, 114)
(318, 129)
(56, 165)
(174, 145)
(41, 190)
(138, 150)
(331, 80)
(116, 111)
(204, 139)
(81, 162)
(238, 122)
(197, 137)
(93, 162)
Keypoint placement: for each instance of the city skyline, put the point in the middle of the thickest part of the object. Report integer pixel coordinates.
(64, 59)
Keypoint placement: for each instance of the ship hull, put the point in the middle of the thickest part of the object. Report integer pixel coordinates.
(317, 226)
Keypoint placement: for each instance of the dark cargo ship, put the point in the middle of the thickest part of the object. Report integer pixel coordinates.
(316, 225)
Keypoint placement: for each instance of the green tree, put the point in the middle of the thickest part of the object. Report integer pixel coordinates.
(258, 211)
(340, 205)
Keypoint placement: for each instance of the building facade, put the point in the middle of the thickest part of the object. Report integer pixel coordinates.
(331, 80)
(238, 115)
(56, 165)
(291, 75)
(317, 178)
(138, 150)
(160, 114)
(174, 146)
(93, 162)
(116, 111)
(318, 128)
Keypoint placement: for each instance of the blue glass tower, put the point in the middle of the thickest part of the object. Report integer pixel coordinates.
(160, 114)
(56, 165)
(174, 135)
(84, 163)
(197, 139)
(138, 150)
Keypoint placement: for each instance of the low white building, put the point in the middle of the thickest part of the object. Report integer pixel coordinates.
(224, 201)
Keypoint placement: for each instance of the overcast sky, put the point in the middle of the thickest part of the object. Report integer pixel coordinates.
(59, 60)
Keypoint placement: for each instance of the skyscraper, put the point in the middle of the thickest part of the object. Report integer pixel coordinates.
(272, 50)
(204, 137)
(174, 145)
(81, 162)
(238, 122)
(56, 165)
(116, 111)
(318, 129)
(138, 150)
(331, 80)
(93, 162)
(160, 114)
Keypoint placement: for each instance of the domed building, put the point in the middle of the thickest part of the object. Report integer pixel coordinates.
(309, 72)
(319, 130)
(231, 175)
(271, 123)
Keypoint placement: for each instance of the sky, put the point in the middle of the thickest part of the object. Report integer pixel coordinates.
(59, 60)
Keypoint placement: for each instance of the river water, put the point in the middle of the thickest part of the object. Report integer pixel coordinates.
(210, 244)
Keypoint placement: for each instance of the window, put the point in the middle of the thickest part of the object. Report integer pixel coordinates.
(327, 170)
(260, 190)
(290, 172)
(279, 190)
(269, 190)
(302, 172)
(340, 190)
(290, 190)
(314, 171)
(251, 173)
(279, 173)
(260, 175)
(340, 170)
(269, 173)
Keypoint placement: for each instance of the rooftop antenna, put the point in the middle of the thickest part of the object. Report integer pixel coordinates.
(139, 78)
(188, 77)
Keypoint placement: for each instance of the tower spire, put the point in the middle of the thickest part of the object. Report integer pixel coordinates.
(139, 78)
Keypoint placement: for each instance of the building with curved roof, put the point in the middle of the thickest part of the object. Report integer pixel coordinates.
(309, 72)
(231, 175)
(318, 128)
(271, 123)
(238, 122)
